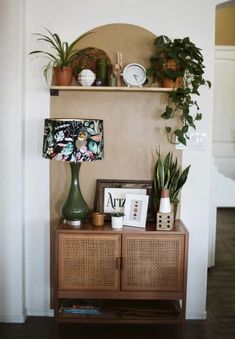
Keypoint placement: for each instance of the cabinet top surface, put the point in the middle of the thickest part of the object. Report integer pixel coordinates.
(179, 228)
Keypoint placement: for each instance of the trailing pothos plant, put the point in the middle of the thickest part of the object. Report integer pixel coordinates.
(168, 174)
(188, 66)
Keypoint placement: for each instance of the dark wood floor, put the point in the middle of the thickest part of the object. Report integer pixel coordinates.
(220, 323)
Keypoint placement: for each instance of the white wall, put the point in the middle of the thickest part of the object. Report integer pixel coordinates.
(198, 23)
(11, 154)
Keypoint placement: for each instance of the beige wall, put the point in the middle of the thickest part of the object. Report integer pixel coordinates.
(225, 25)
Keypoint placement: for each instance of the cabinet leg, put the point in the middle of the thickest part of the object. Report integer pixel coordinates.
(56, 330)
(181, 330)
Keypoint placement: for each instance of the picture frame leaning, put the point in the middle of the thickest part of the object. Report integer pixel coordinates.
(116, 189)
(135, 212)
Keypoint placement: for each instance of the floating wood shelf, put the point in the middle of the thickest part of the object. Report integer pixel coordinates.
(110, 89)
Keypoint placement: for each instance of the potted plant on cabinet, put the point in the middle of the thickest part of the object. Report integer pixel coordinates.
(179, 64)
(168, 174)
(60, 58)
(117, 219)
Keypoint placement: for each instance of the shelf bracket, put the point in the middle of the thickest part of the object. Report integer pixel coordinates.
(54, 92)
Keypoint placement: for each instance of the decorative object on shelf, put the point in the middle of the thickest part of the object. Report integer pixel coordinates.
(86, 77)
(98, 83)
(117, 220)
(112, 81)
(165, 221)
(97, 219)
(165, 205)
(135, 210)
(181, 62)
(134, 75)
(60, 58)
(118, 68)
(165, 217)
(88, 58)
(111, 194)
(168, 174)
(75, 141)
(102, 71)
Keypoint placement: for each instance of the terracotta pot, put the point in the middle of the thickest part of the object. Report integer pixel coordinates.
(63, 76)
(168, 83)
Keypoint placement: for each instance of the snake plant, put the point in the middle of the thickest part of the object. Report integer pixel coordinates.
(169, 174)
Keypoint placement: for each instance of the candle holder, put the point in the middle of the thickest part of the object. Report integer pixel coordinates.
(97, 219)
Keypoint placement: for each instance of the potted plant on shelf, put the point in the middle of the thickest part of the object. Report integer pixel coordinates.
(179, 64)
(117, 219)
(60, 57)
(168, 174)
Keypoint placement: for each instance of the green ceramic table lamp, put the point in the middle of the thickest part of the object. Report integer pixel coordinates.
(75, 141)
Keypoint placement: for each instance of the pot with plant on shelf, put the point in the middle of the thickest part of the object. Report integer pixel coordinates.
(117, 220)
(60, 56)
(168, 176)
(178, 64)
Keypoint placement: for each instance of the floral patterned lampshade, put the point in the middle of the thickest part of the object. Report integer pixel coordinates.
(73, 140)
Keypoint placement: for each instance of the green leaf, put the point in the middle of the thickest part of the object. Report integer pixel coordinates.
(208, 83)
(168, 129)
(189, 119)
(181, 181)
(180, 136)
(160, 174)
(198, 116)
(168, 113)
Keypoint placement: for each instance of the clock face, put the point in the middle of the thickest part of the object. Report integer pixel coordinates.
(134, 75)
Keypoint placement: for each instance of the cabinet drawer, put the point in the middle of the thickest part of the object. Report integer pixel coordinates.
(89, 262)
(153, 262)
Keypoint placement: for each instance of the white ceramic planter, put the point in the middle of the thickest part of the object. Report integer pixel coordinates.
(86, 77)
(165, 206)
(117, 222)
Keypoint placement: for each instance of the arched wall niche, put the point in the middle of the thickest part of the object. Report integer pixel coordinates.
(134, 42)
(133, 128)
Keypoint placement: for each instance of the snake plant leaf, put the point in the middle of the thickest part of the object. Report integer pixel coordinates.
(181, 181)
(160, 173)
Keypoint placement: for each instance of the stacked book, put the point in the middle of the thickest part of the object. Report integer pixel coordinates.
(86, 309)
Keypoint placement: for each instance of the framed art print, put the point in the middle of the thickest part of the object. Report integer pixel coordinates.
(135, 211)
(111, 194)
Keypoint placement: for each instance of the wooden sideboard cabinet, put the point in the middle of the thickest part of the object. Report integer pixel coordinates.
(133, 275)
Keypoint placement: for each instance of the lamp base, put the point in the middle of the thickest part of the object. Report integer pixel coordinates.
(72, 222)
(74, 210)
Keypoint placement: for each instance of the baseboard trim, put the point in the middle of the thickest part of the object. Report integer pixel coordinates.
(196, 316)
(40, 312)
(13, 318)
